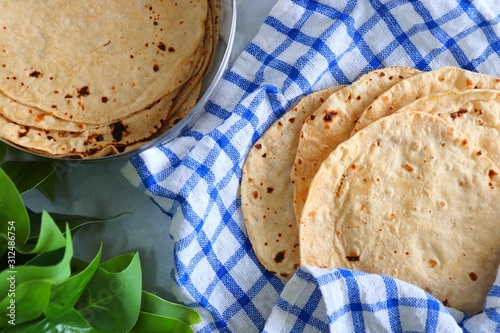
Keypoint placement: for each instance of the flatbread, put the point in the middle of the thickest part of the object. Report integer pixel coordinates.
(88, 65)
(474, 112)
(267, 192)
(333, 122)
(87, 143)
(412, 198)
(426, 83)
(45, 133)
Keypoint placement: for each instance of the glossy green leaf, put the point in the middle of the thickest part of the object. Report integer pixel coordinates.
(27, 301)
(151, 303)
(54, 273)
(70, 322)
(112, 298)
(29, 174)
(65, 294)
(3, 150)
(14, 219)
(49, 239)
(151, 323)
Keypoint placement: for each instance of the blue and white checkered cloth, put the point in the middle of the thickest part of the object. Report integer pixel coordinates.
(304, 46)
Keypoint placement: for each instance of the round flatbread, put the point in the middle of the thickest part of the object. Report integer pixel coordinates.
(423, 84)
(412, 198)
(267, 192)
(94, 63)
(42, 132)
(333, 122)
(474, 112)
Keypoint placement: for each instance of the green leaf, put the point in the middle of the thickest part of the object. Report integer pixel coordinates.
(151, 303)
(65, 294)
(29, 174)
(112, 298)
(49, 239)
(24, 274)
(3, 150)
(14, 219)
(29, 301)
(71, 321)
(151, 323)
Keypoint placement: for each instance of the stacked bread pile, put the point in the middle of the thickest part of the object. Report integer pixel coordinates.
(93, 78)
(395, 174)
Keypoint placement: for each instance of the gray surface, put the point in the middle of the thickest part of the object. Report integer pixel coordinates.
(99, 189)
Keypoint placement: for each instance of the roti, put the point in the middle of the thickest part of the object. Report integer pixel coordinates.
(267, 196)
(104, 71)
(63, 133)
(410, 197)
(426, 83)
(332, 124)
(474, 112)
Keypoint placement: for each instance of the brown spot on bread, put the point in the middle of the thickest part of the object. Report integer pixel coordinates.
(329, 115)
(83, 91)
(104, 99)
(118, 129)
(280, 256)
(22, 133)
(407, 167)
(270, 190)
(458, 114)
(432, 263)
(162, 46)
(258, 146)
(35, 74)
(473, 276)
(255, 194)
(492, 173)
(353, 256)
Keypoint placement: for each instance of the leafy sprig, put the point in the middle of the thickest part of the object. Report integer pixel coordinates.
(45, 288)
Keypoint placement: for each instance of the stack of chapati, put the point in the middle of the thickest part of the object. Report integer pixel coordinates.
(92, 78)
(395, 174)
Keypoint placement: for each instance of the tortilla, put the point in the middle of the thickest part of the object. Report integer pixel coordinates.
(267, 192)
(474, 112)
(426, 83)
(88, 142)
(333, 122)
(412, 198)
(101, 72)
(45, 133)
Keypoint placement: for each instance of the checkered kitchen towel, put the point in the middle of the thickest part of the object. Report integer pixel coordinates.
(304, 46)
